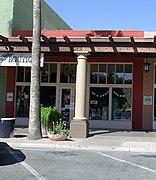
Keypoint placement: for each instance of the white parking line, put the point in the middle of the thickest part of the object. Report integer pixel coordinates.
(26, 166)
(127, 162)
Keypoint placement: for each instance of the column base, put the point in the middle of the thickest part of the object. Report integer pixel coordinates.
(79, 129)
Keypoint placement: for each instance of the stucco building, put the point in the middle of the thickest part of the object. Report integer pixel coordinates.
(97, 79)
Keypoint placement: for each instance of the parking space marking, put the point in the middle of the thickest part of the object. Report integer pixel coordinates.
(127, 162)
(26, 166)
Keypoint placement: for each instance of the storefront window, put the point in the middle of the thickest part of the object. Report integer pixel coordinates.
(22, 101)
(68, 73)
(53, 73)
(48, 73)
(119, 74)
(99, 98)
(27, 74)
(128, 74)
(48, 96)
(102, 74)
(65, 104)
(111, 74)
(20, 74)
(94, 73)
(121, 103)
(44, 73)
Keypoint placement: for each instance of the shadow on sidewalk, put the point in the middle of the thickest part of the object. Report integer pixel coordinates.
(9, 155)
(20, 131)
(93, 132)
(120, 132)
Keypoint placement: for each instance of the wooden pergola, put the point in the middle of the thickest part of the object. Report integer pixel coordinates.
(97, 46)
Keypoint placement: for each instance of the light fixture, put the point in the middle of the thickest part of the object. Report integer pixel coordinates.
(146, 66)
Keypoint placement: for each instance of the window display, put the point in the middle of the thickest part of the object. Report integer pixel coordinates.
(121, 103)
(48, 98)
(22, 101)
(99, 103)
(65, 104)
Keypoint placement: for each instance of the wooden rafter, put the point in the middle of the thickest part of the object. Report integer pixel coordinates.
(88, 39)
(154, 39)
(24, 39)
(4, 39)
(132, 40)
(111, 39)
(66, 38)
(45, 39)
(131, 46)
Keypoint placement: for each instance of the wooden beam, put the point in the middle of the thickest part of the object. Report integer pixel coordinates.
(53, 39)
(24, 39)
(111, 39)
(132, 40)
(4, 39)
(94, 45)
(46, 39)
(154, 39)
(88, 39)
(9, 48)
(137, 51)
(66, 38)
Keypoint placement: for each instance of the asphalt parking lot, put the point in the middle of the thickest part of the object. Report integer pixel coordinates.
(64, 164)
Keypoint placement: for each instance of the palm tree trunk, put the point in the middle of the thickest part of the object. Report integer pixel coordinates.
(34, 131)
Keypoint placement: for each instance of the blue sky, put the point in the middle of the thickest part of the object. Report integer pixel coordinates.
(107, 14)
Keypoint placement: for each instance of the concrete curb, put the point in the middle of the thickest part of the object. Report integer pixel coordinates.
(79, 147)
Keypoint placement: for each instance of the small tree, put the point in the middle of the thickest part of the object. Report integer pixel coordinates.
(34, 131)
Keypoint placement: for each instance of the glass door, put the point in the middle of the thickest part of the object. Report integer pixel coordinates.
(67, 103)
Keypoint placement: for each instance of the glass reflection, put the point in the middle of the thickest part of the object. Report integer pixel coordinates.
(20, 74)
(27, 74)
(68, 73)
(22, 101)
(53, 73)
(119, 74)
(102, 73)
(94, 73)
(121, 103)
(99, 103)
(44, 73)
(128, 74)
(111, 74)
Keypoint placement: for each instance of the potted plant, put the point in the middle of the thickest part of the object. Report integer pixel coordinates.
(52, 124)
(59, 131)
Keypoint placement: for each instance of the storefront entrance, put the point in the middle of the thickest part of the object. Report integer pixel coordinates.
(110, 100)
(67, 103)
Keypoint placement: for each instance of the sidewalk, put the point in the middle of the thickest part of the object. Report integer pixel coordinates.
(98, 140)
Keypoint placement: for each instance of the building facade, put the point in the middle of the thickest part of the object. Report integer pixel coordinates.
(97, 79)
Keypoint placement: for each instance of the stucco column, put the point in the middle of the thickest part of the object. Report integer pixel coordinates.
(79, 125)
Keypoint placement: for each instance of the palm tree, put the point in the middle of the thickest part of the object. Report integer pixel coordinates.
(34, 131)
